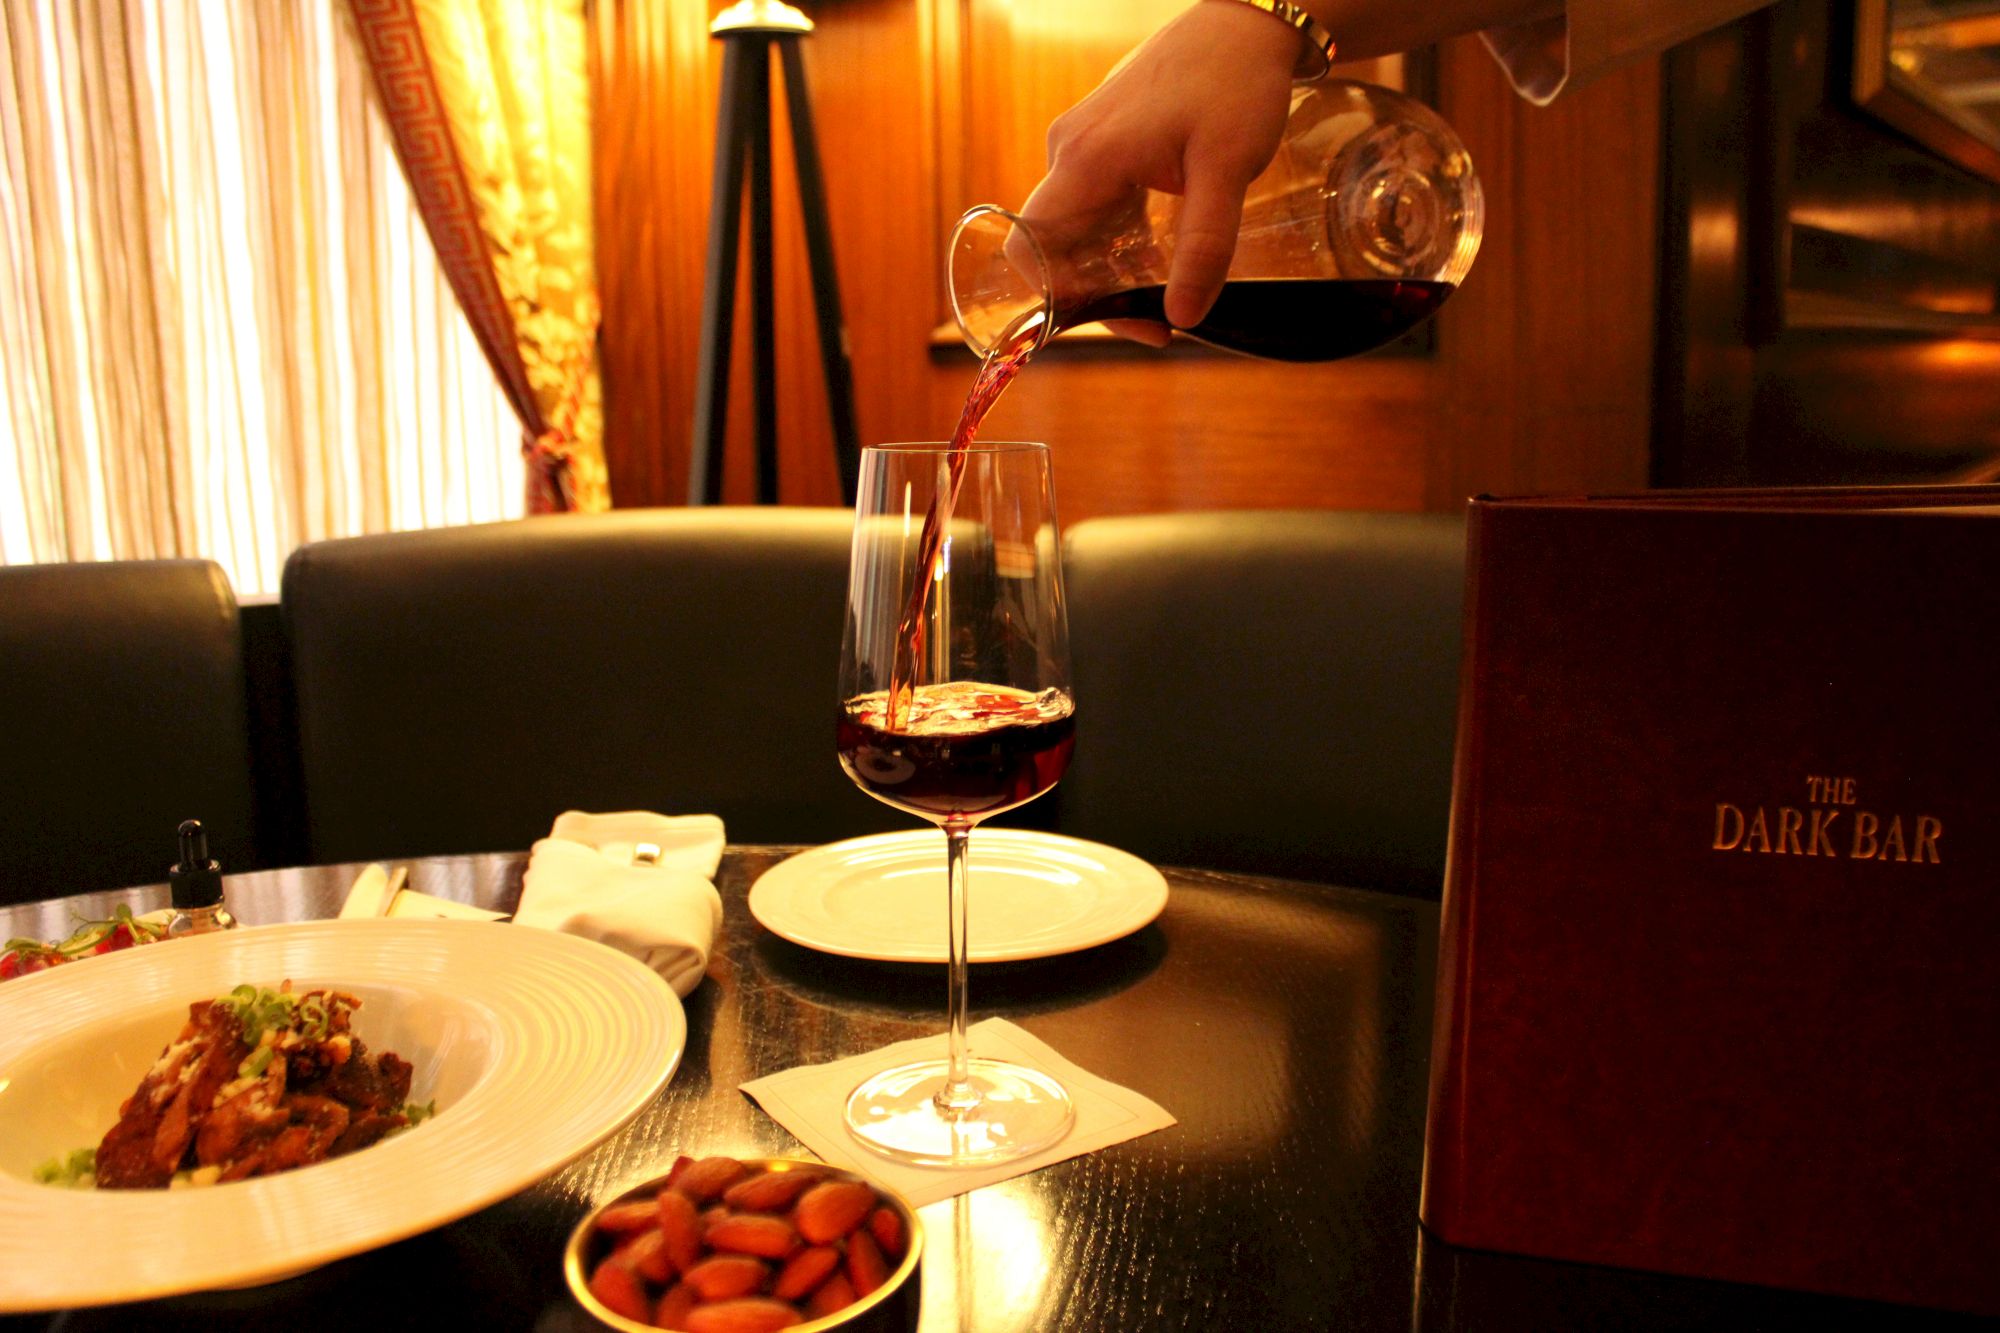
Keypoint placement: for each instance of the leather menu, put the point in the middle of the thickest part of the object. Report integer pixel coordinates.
(1717, 987)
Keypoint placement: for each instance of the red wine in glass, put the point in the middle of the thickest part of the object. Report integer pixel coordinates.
(962, 750)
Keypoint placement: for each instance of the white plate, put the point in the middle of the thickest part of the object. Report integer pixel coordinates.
(535, 1045)
(1033, 895)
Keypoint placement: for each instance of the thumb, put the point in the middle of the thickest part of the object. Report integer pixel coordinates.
(1204, 242)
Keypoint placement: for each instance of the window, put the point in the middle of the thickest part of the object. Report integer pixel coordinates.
(223, 330)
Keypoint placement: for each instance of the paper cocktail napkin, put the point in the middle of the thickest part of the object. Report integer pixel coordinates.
(810, 1100)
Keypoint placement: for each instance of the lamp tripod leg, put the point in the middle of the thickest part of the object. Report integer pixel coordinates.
(763, 293)
(718, 296)
(833, 350)
(743, 144)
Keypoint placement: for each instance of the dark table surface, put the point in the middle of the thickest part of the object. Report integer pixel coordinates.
(1285, 1025)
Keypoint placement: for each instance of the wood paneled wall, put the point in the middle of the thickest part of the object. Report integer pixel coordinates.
(1831, 308)
(1539, 376)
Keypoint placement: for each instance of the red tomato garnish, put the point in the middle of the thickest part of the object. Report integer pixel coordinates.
(121, 931)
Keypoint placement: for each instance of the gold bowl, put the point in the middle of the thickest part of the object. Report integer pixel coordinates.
(891, 1308)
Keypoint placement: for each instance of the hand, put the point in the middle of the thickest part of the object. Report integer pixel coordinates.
(1196, 110)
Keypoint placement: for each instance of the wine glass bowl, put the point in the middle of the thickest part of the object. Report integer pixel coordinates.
(1367, 218)
(955, 706)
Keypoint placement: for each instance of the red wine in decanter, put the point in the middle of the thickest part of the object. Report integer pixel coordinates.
(1287, 319)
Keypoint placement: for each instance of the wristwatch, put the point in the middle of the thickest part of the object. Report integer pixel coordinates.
(1317, 57)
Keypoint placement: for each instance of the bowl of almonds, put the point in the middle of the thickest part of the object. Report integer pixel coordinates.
(729, 1245)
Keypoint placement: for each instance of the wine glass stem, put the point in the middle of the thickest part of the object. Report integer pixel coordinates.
(957, 1095)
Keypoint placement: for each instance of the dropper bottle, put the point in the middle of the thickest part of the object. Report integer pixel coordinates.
(197, 887)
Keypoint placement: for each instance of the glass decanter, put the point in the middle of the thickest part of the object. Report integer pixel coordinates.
(1366, 220)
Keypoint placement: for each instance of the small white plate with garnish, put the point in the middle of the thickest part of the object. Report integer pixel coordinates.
(532, 1047)
(1033, 895)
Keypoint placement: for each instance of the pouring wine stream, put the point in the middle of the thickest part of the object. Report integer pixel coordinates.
(998, 370)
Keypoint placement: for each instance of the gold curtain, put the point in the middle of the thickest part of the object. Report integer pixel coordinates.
(489, 104)
(223, 331)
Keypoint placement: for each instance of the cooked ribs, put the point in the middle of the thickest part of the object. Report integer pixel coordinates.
(157, 1122)
(229, 1102)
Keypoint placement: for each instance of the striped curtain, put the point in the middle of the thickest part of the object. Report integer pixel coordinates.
(489, 104)
(223, 331)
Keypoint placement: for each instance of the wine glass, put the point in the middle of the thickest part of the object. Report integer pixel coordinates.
(956, 706)
(1366, 220)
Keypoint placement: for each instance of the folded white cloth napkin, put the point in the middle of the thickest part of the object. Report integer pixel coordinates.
(582, 879)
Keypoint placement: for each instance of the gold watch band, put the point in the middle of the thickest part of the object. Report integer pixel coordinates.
(1317, 58)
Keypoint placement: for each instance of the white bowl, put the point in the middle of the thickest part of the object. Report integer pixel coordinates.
(535, 1046)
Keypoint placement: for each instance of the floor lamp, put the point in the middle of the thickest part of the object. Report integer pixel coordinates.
(751, 32)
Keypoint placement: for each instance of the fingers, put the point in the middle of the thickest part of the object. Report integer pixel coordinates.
(1204, 241)
(1073, 207)
(1082, 182)
(1143, 331)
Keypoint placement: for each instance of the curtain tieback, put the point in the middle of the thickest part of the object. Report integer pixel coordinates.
(547, 456)
(548, 453)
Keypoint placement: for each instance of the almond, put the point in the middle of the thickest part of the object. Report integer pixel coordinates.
(866, 1268)
(753, 1233)
(885, 1224)
(805, 1272)
(619, 1290)
(707, 1178)
(746, 1316)
(680, 1227)
(623, 1217)
(836, 1293)
(645, 1253)
(831, 1209)
(770, 1191)
(726, 1275)
(674, 1307)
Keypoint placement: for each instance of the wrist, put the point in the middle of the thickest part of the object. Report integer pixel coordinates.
(1312, 42)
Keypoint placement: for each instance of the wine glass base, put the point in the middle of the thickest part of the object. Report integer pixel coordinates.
(1019, 1111)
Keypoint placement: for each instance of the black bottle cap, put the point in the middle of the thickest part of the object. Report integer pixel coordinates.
(196, 881)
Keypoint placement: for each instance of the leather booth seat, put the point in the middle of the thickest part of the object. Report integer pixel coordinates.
(123, 712)
(459, 688)
(1268, 692)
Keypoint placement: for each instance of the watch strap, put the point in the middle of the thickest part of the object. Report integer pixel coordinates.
(1317, 57)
